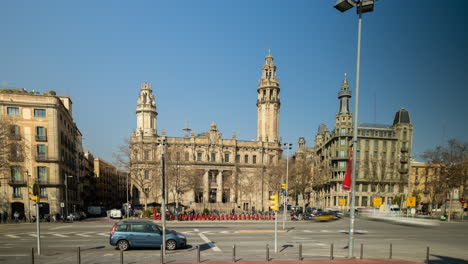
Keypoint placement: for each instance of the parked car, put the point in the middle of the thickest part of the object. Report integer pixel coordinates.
(324, 216)
(127, 234)
(115, 214)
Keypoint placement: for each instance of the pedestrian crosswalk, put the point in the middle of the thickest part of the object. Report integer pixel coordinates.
(57, 235)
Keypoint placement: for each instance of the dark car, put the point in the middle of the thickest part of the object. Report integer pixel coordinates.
(127, 234)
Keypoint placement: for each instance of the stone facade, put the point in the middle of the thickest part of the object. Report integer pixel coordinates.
(48, 144)
(204, 170)
(382, 162)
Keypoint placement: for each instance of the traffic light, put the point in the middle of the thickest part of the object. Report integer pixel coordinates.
(283, 186)
(35, 199)
(34, 191)
(274, 203)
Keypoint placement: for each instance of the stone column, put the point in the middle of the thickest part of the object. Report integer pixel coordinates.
(206, 188)
(219, 193)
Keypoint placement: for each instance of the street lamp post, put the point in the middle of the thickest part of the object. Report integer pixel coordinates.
(66, 194)
(287, 146)
(362, 7)
(163, 198)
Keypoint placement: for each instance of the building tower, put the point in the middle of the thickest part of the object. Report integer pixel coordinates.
(343, 119)
(268, 103)
(146, 112)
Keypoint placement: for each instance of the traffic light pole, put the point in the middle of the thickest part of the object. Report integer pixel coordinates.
(38, 230)
(276, 231)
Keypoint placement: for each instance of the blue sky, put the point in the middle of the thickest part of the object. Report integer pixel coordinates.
(203, 59)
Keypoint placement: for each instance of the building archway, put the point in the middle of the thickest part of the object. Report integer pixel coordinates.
(17, 207)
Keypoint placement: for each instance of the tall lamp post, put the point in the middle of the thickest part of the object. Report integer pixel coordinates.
(66, 194)
(362, 7)
(163, 196)
(287, 146)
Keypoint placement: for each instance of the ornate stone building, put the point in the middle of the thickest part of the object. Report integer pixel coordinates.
(383, 155)
(204, 170)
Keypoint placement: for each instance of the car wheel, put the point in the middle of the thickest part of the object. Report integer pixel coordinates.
(171, 245)
(123, 245)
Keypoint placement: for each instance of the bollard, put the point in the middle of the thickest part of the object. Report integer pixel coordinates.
(198, 253)
(267, 253)
(79, 255)
(32, 255)
(162, 255)
(233, 253)
(390, 257)
(427, 255)
(121, 257)
(300, 252)
(362, 251)
(331, 251)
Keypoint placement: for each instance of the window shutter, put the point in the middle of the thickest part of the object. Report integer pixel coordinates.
(45, 132)
(35, 173)
(47, 175)
(46, 148)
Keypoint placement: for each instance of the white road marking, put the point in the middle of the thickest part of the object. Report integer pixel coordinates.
(209, 242)
(196, 230)
(13, 255)
(103, 234)
(55, 228)
(83, 235)
(12, 236)
(59, 235)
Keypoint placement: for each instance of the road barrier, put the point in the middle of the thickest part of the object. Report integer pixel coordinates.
(267, 254)
(217, 217)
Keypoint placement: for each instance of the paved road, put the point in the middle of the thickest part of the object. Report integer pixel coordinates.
(60, 241)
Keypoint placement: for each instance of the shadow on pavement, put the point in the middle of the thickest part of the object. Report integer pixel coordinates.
(447, 260)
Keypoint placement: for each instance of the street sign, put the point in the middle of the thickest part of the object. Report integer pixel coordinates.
(62, 205)
(411, 201)
(378, 201)
(342, 201)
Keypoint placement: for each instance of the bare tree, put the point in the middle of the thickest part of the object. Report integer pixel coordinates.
(451, 167)
(177, 172)
(301, 177)
(135, 158)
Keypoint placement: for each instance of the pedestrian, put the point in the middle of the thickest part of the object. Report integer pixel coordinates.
(5, 217)
(16, 216)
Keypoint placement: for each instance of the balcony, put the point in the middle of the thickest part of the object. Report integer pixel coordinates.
(403, 170)
(41, 157)
(14, 137)
(17, 182)
(41, 138)
(16, 158)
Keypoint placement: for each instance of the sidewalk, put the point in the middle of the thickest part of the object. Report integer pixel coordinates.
(309, 261)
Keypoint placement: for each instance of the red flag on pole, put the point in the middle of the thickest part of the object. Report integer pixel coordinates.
(347, 177)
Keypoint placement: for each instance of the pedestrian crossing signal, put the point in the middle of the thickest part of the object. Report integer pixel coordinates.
(274, 203)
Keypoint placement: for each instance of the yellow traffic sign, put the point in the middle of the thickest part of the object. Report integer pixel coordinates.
(342, 201)
(411, 201)
(378, 201)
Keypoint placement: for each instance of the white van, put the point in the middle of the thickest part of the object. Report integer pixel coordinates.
(115, 213)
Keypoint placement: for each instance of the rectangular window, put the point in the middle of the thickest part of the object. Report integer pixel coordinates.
(199, 156)
(39, 113)
(42, 174)
(41, 134)
(16, 192)
(376, 144)
(43, 193)
(213, 157)
(254, 159)
(365, 187)
(343, 131)
(343, 142)
(16, 175)
(146, 174)
(226, 157)
(15, 151)
(364, 201)
(342, 153)
(375, 155)
(140, 228)
(146, 155)
(367, 142)
(14, 130)
(271, 159)
(121, 228)
(246, 158)
(384, 144)
(187, 156)
(13, 111)
(393, 144)
(237, 158)
(342, 164)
